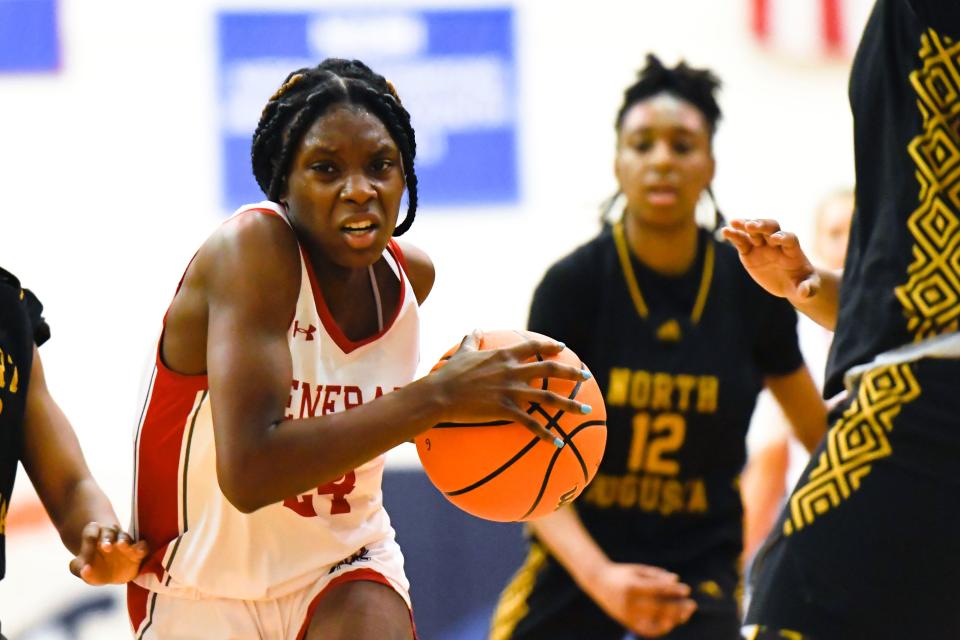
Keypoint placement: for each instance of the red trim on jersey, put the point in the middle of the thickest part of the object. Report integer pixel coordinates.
(368, 575)
(136, 605)
(397, 252)
(172, 402)
(330, 324)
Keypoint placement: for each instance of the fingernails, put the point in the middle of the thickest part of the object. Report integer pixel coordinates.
(561, 345)
(558, 443)
(586, 374)
(585, 409)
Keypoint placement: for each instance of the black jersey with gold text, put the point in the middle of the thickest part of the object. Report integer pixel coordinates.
(901, 281)
(21, 326)
(680, 361)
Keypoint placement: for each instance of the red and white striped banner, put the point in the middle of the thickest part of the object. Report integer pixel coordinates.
(809, 29)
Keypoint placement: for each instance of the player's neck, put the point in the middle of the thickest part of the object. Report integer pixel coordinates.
(667, 250)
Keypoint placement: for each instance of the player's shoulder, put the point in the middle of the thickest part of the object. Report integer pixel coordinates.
(253, 248)
(258, 231)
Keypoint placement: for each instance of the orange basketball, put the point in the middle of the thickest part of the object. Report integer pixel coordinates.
(501, 470)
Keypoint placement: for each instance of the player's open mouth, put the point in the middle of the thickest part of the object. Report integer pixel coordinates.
(358, 228)
(360, 235)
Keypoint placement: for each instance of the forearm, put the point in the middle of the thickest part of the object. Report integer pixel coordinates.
(296, 456)
(822, 307)
(571, 544)
(82, 503)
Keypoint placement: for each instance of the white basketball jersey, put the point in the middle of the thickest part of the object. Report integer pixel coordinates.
(200, 543)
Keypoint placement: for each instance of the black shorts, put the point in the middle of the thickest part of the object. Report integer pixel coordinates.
(868, 545)
(544, 603)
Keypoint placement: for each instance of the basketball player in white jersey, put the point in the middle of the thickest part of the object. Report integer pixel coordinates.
(284, 373)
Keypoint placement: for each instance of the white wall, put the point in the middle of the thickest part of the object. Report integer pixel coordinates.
(109, 182)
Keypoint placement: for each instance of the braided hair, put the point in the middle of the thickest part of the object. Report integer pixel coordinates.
(696, 86)
(303, 97)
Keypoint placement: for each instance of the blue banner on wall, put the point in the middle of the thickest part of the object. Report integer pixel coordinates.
(28, 36)
(454, 70)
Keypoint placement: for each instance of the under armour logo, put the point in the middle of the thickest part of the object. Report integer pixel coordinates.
(308, 331)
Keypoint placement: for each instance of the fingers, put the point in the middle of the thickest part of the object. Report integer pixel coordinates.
(550, 369)
(662, 589)
(530, 348)
(664, 616)
(552, 399)
(535, 427)
(739, 239)
(648, 571)
(107, 537)
(102, 549)
(761, 226)
(89, 539)
(471, 341)
(745, 234)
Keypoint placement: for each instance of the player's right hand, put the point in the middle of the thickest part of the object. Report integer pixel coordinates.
(494, 384)
(774, 259)
(649, 601)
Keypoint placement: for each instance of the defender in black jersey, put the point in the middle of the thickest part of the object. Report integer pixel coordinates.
(681, 341)
(35, 432)
(869, 543)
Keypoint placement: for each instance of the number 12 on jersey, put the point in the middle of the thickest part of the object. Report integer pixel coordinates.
(655, 439)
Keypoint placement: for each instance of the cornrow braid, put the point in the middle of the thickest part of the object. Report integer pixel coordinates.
(696, 86)
(308, 93)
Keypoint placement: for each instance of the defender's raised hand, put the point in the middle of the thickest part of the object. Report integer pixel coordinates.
(774, 259)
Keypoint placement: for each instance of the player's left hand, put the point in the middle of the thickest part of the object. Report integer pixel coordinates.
(107, 555)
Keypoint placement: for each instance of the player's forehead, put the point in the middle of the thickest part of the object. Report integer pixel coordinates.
(344, 128)
(663, 112)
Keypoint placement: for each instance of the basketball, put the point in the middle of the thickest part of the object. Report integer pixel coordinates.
(502, 471)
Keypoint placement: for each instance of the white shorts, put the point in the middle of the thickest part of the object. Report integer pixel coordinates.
(162, 616)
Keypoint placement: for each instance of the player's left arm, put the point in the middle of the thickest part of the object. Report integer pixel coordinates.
(797, 395)
(81, 512)
(420, 270)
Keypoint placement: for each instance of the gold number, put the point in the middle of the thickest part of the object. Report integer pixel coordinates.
(654, 440)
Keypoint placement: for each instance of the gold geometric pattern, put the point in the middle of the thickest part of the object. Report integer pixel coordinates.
(931, 295)
(853, 444)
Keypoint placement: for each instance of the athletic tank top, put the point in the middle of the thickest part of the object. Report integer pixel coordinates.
(200, 543)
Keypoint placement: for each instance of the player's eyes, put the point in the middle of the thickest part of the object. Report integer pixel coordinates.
(324, 168)
(381, 166)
